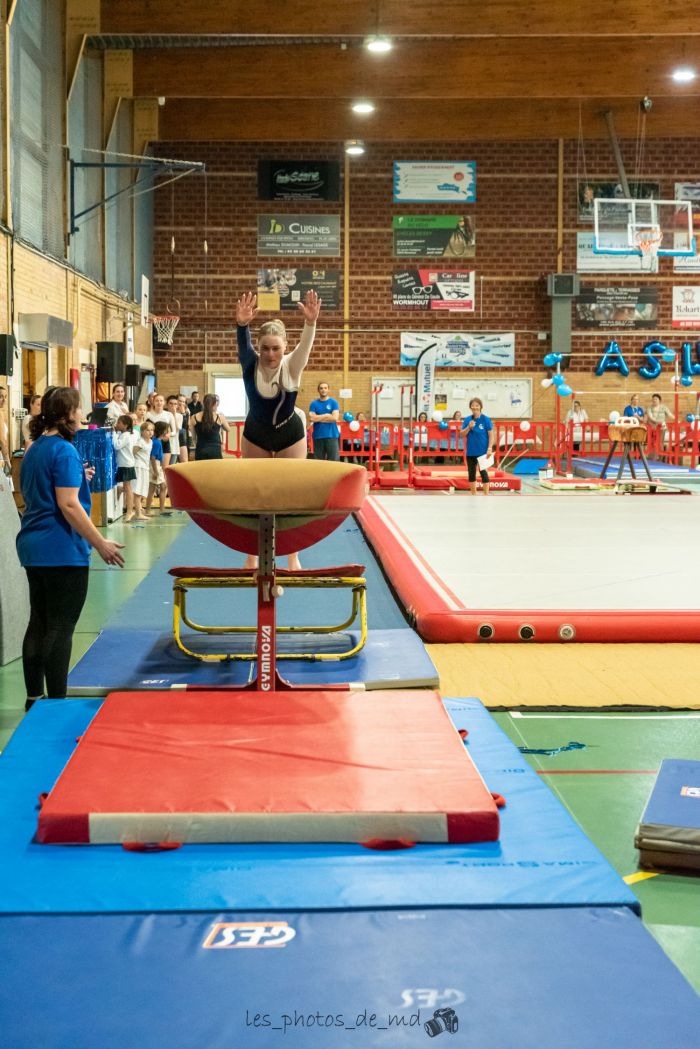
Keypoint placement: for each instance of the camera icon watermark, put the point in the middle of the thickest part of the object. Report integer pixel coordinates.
(443, 1020)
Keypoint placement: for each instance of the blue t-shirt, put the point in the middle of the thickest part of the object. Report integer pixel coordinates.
(45, 537)
(478, 436)
(632, 409)
(327, 407)
(157, 449)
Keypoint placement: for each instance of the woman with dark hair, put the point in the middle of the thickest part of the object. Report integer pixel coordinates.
(54, 542)
(206, 427)
(117, 406)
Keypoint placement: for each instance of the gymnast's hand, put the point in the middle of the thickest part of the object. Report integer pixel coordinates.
(246, 309)
(310, 307)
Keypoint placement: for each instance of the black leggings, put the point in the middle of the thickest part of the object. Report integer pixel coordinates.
(473, 466)
(56, 599)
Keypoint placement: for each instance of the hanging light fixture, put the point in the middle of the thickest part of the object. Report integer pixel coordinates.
(354, 148)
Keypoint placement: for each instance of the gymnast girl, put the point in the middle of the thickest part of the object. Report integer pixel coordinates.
(273, 429)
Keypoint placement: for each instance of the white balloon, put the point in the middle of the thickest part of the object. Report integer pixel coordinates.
(354, 426)
(614, 416)
(437, 416)
(546, 383)
(525, 426)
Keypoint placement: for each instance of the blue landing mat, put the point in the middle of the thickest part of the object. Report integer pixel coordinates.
(591, 465)
(135, 649)
(542, 859)
(143, 659)
(573, 978)
(151, 603)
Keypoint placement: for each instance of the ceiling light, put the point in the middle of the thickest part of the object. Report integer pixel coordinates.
(683, 76)
(354, 148)
(363, 107)
(379, 45)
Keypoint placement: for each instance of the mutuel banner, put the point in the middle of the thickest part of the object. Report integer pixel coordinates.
(298, 180)
(433, 290)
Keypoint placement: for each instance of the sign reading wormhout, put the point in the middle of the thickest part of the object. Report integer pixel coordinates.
(295, 235)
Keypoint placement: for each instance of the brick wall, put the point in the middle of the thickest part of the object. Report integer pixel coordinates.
(516, 246)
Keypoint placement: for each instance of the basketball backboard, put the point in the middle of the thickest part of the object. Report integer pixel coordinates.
(643, 227)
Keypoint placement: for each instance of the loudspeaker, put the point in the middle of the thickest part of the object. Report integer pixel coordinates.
(132, 375)
(110, 362)
(7, 354)
(563, 285)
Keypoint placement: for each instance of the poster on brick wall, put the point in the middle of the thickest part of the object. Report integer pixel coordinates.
(434, 182)
(589, 191)
(433, 290)
(298, 180)
(434, 236)
(689, 263)
(295, 235)
(587, 261)
(686, 307)
(460, 349)
(616, 308)
(284, 289)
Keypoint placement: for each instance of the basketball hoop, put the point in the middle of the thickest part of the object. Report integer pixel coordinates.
(165, 325)
(648, 241)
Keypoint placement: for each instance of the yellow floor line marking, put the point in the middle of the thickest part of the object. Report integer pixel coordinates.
(639, 876)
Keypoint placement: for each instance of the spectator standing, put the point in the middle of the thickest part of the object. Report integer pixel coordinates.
(324, 413)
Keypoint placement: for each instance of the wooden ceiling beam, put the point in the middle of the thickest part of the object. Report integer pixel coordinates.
(398, 18)
(488, 68)
(320, 120)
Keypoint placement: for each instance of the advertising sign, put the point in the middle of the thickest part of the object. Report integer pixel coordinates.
(587, 261)
(298, 180)
(616, 308)
(434, 236)
(434, 182)
(467, 349)
(686, 307)
(433, 290)
(283, 289)
(294, 235)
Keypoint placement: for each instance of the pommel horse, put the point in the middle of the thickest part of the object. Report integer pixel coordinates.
(267, 507)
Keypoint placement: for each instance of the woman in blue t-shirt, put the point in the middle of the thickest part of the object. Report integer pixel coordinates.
(479, 430)
(54, 542)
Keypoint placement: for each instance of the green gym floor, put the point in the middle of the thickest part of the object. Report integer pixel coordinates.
(603, 785)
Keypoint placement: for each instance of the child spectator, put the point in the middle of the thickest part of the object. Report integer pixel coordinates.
(142, 460)
(157, 477)
(124, 440)
(139, 417)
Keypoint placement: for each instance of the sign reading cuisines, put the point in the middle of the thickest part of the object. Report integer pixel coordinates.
(298, 180)
(296, 235)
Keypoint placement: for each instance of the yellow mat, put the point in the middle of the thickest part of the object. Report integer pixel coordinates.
(642, 675)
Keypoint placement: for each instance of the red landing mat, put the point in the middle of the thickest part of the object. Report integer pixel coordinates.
(157, 767)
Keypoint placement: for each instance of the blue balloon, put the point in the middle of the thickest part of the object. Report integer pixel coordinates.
(688, 367)
(686, 380)
(668, 355)
(443, 425)
(690, 418)
(558, 379)
(348, 417)
(564, 390)
(551, 359)
(612, 360)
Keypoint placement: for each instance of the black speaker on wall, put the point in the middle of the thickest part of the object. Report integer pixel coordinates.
(110, 362)
(132, 375)
(7, 354)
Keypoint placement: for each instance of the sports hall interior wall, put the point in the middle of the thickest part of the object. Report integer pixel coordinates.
(517, 237)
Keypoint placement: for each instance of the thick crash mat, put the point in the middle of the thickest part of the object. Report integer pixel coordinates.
(553, 978)
(668, 835)
(164, 767)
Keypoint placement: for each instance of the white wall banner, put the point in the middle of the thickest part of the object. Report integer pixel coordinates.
(466, 349)
(425, 379)
(434, 182)
(686, 307)
(587, 261)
